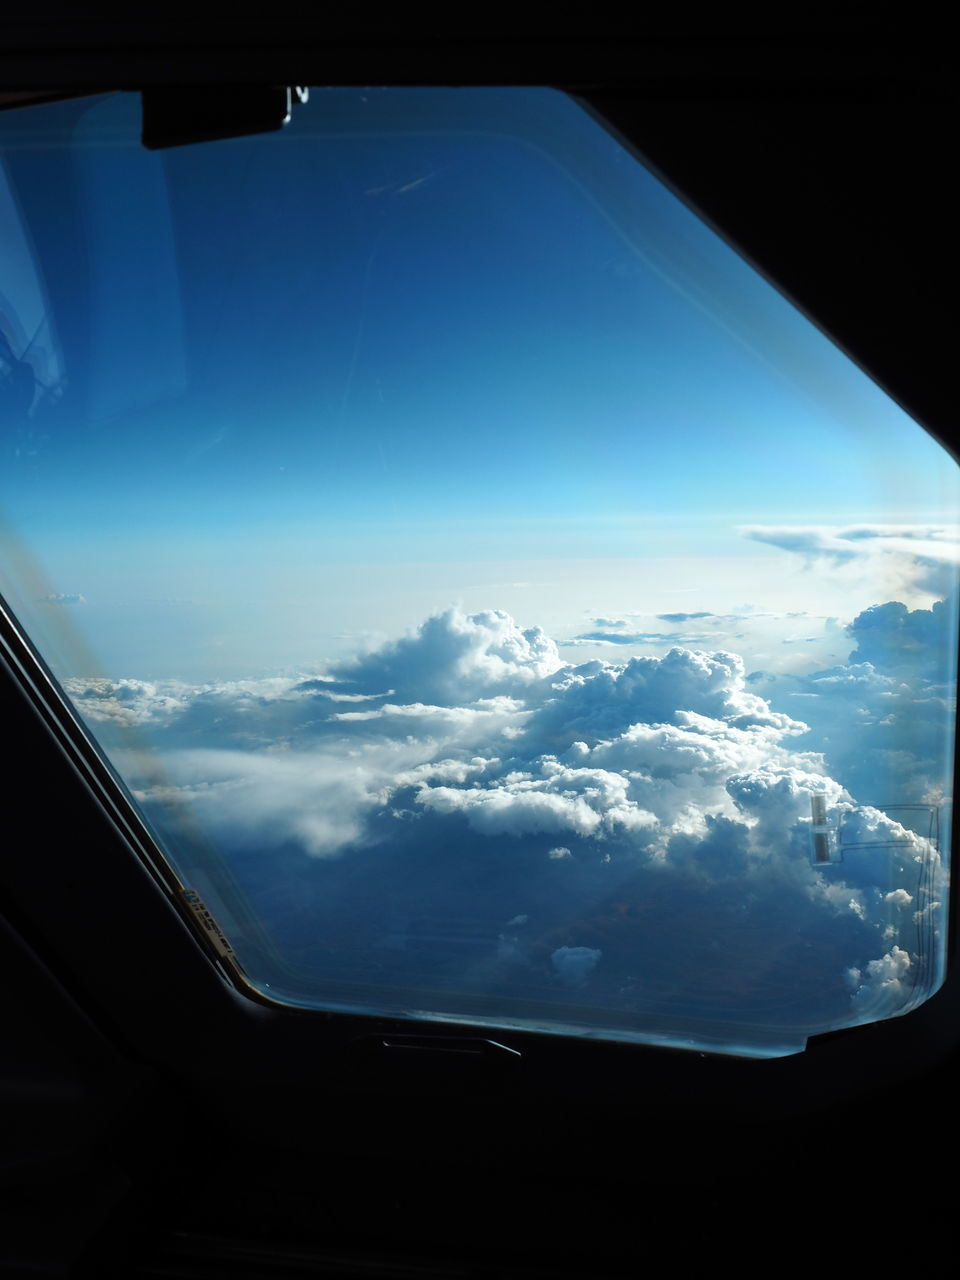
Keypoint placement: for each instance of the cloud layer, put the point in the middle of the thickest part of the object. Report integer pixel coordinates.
(464, 820)
(884, 719)
(903, 556)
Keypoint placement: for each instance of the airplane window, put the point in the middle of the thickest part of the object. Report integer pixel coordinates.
(502, 604)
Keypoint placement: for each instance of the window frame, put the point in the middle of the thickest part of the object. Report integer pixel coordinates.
(82, 900)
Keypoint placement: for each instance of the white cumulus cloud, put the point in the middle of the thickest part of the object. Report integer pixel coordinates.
(657, 812)
(454, 658)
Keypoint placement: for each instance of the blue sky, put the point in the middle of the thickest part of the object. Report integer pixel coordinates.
(429, 349)
(428, 478)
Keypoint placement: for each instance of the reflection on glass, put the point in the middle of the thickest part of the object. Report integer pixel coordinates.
(504, 606)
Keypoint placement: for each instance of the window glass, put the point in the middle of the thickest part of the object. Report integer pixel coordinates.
(503, 605)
